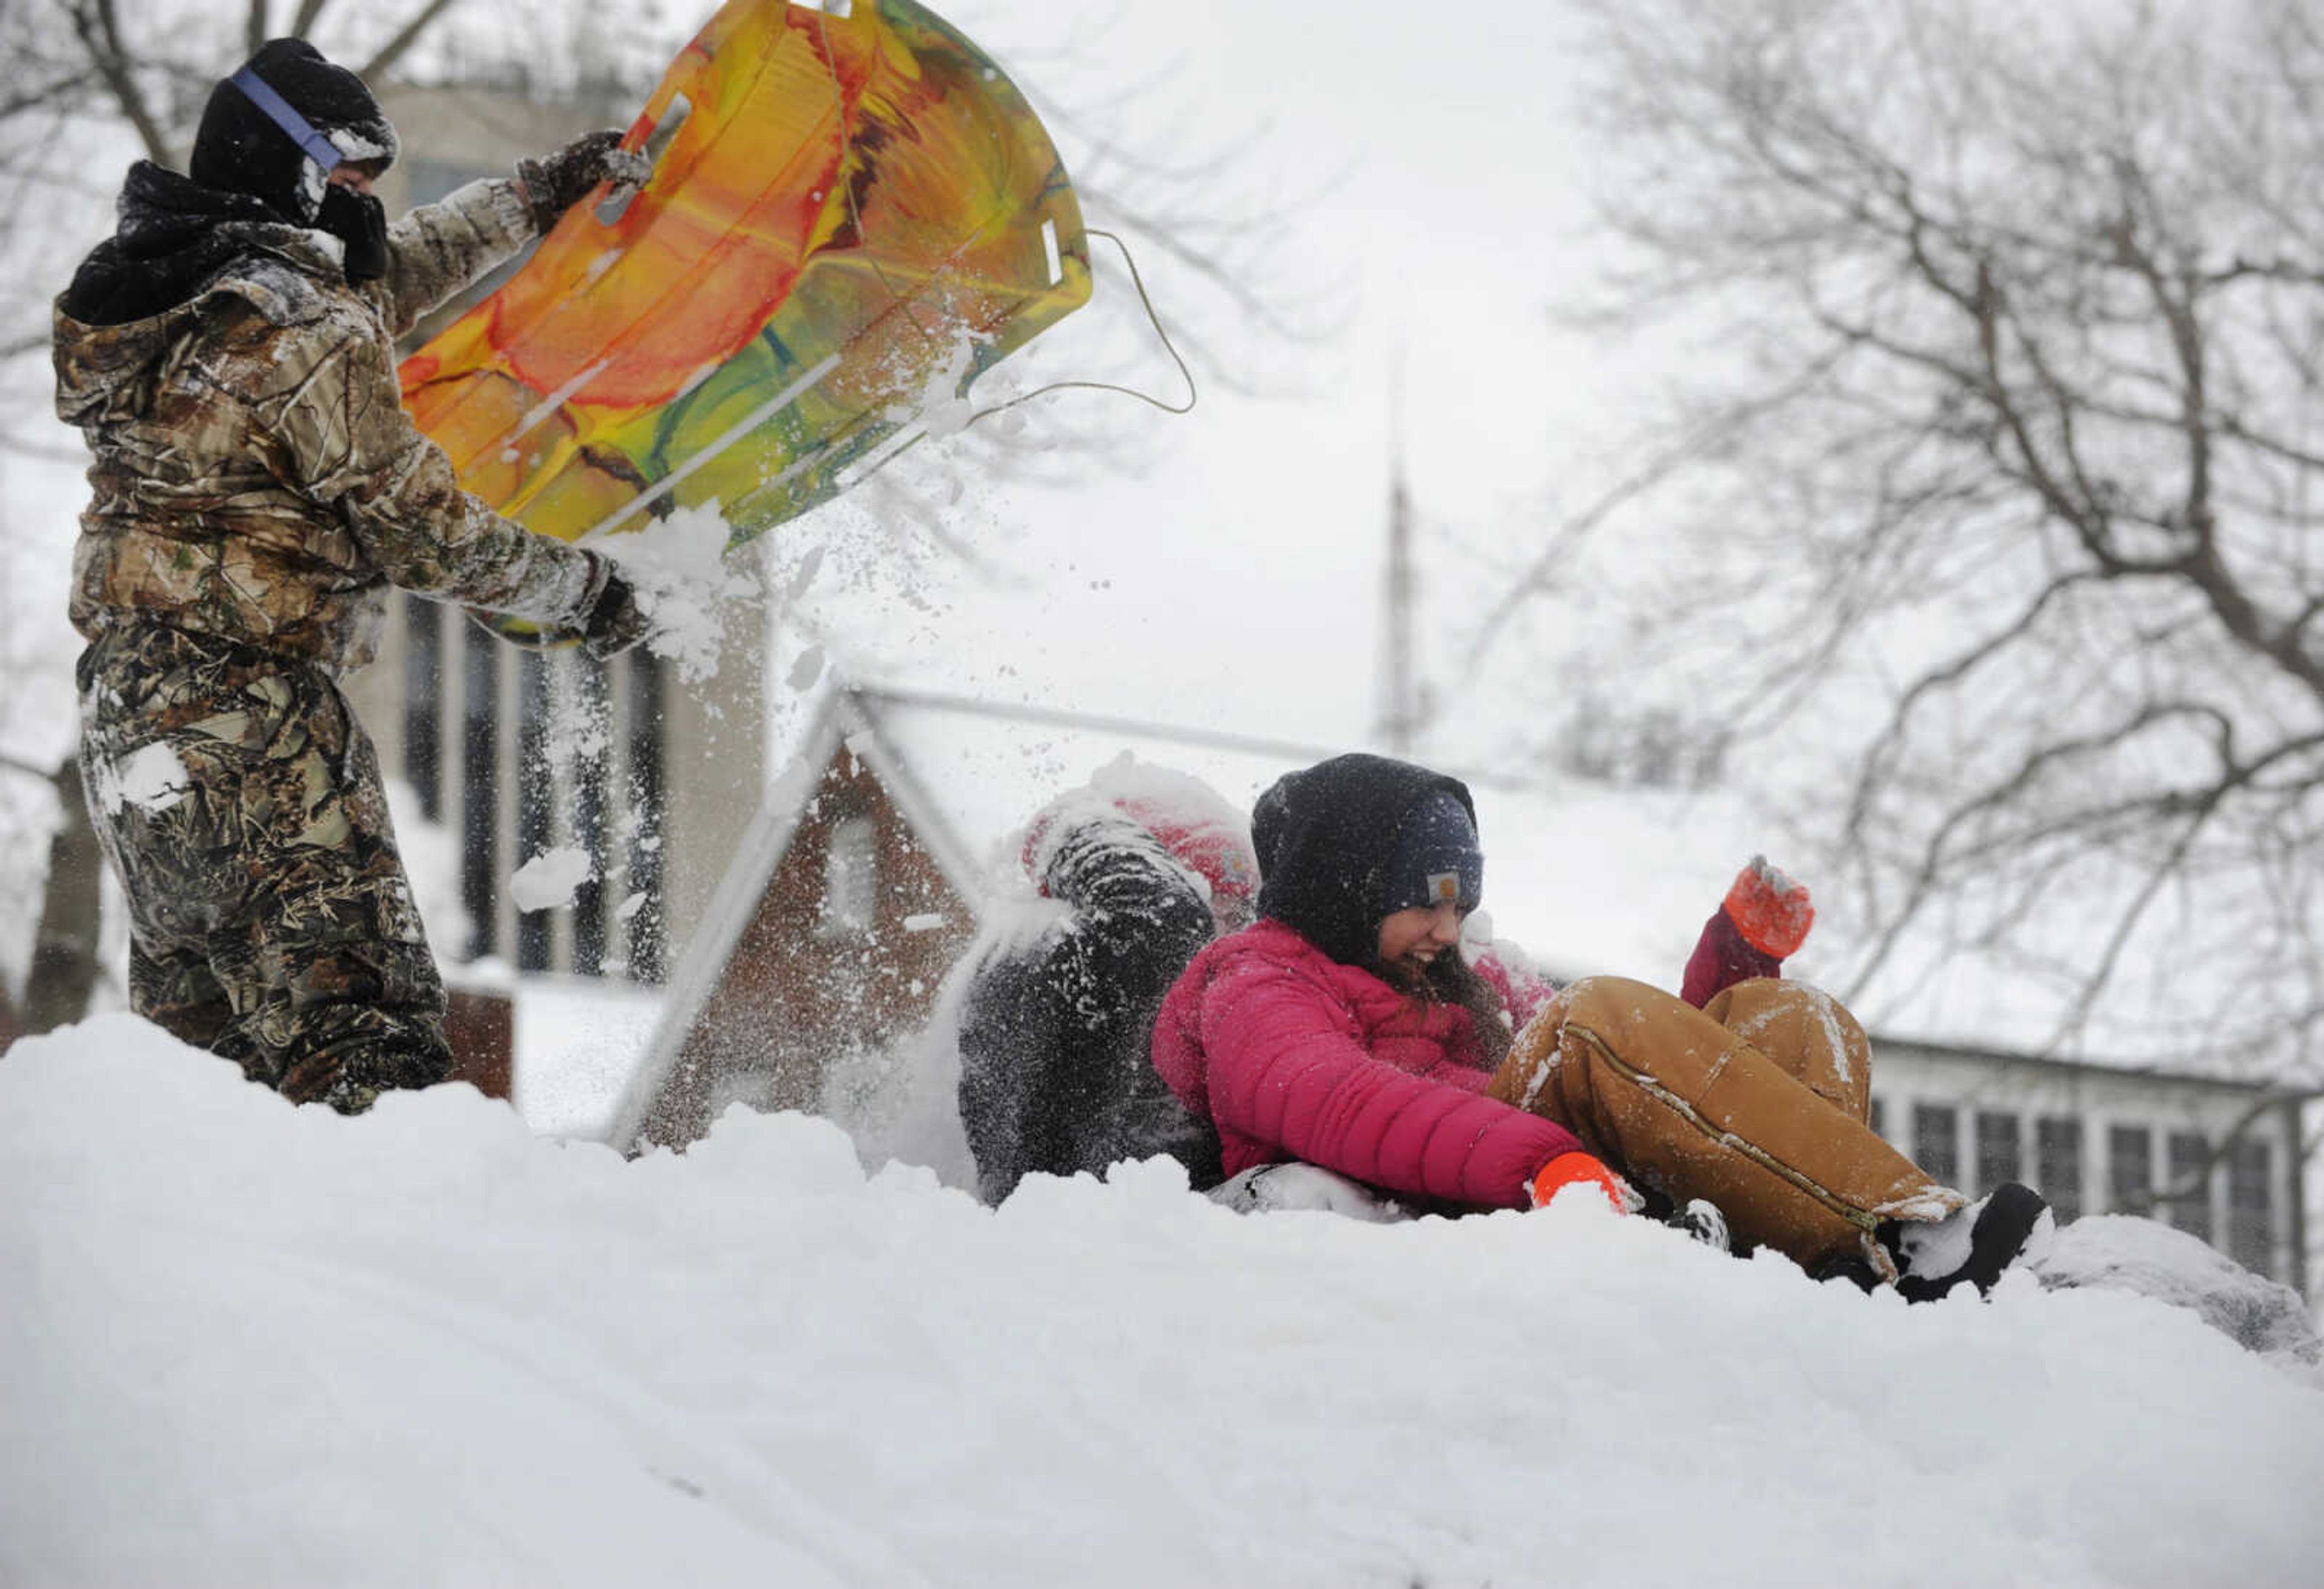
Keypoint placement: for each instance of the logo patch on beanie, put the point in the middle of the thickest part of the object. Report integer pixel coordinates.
(1444, 887)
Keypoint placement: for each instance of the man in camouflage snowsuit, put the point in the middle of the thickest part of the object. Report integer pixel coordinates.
(229, 356)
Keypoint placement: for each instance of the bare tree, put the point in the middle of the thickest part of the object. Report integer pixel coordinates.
(1998, 464)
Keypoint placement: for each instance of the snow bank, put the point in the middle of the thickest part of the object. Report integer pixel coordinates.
(243, 1343)
(2150, 1258)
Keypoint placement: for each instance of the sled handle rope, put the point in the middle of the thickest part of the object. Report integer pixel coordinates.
(1153, 318)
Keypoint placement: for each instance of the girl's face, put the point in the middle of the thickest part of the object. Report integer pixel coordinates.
(1410, 939)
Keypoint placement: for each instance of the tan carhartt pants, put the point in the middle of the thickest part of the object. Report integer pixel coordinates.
(1758, 1103)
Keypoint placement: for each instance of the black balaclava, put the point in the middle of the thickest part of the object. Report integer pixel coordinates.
(248, 143)
(1327, 839)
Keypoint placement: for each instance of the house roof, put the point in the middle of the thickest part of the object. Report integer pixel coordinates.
(841, 724)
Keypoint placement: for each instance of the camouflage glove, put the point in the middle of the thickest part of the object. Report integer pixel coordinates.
(554, 183)
(615, 621)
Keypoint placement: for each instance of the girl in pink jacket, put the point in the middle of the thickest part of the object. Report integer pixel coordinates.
(1345, 1031)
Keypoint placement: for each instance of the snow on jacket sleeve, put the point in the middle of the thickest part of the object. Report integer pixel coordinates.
(1012, 1040)
(1721, 959)
(1284, 1069)
(435, 250)
(349, 443)
(1055, 1072)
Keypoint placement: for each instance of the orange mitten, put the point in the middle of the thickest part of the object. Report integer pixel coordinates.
(1773, 913)
(1577, 1170)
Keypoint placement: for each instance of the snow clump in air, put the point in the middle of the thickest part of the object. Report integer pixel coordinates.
(684, 584)
(548, 879)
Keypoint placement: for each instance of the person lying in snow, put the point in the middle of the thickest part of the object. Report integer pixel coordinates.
(229, 356)
(1145, 866)
(1342, 1034)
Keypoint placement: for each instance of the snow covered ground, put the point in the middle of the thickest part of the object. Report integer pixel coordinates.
(242, 1343)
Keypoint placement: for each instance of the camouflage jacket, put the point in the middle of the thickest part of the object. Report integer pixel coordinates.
(256, 477)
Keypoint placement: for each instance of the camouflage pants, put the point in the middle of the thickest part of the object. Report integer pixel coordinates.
(270, 919)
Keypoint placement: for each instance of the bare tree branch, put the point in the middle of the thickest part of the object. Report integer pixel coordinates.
(2004, 465)
(98, 29)
(391, 53)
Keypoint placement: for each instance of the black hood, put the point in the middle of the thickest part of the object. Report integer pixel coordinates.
(173, 238)
(239, 148)
(1326, 837)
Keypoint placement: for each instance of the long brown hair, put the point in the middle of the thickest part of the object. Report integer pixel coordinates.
(1449, 980)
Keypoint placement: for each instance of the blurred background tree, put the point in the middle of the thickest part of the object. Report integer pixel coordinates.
(1995, 451)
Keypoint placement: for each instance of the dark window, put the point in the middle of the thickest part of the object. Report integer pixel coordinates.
(2251, 1205)
(2058, 1154)
(589, 815)
(423, 713)
(648, 806)
(1936, 1142)
(2191, 1183)
(1998, 1156)
(2130, 1170)
(534, 787)
(480, 792)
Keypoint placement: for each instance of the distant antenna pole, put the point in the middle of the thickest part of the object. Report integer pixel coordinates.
(1400, 696)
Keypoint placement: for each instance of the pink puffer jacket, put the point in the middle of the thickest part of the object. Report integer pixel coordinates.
(1294, 1055)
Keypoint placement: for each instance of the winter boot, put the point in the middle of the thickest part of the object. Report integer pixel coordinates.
(1699, 1219)
(1974, 1243)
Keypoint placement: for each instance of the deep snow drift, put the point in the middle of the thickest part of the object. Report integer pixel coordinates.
(243, 1343)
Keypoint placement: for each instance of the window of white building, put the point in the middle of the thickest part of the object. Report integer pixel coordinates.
(1936, 1142)
(2251, 1204)
(2190, 1157)
(2058, 1164)
(1999, 1157)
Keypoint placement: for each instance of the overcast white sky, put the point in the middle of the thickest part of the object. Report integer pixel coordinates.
(1425, 172)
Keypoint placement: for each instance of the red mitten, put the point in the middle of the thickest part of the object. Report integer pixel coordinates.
(1577, 1169)
(1764, 918)
(1773, 913)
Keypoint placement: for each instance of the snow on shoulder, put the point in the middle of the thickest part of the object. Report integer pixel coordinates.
(244, 1342)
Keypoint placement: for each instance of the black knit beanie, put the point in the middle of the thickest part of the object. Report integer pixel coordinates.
(241, 149)
(1436, 860)
(1328, 838)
